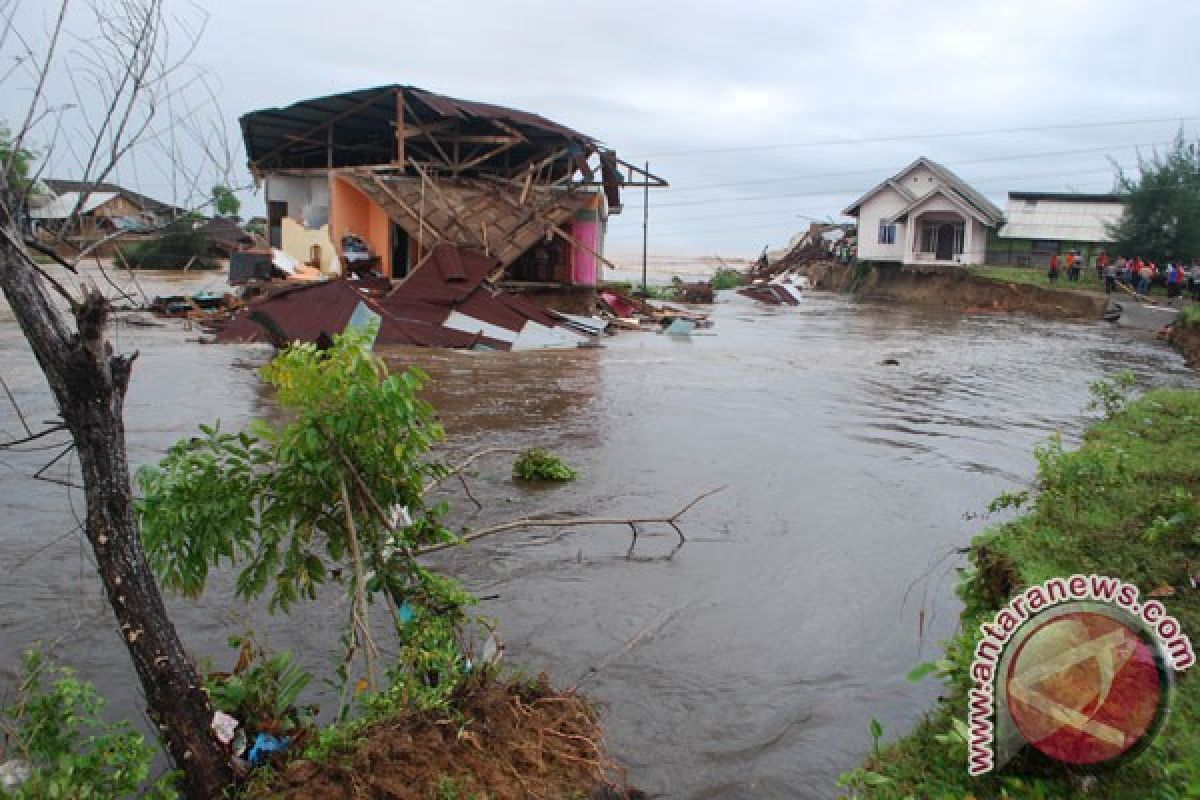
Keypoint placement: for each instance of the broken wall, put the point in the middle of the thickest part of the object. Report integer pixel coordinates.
(307, 221)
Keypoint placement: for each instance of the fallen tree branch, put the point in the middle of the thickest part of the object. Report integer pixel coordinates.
(567, 522)
(465, 463)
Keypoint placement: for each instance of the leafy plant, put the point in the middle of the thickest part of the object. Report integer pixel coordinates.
(56, 726)
(1112, 394)
(727, 278)
(1127, 504)
(297, 505)
(178, 245)
(263, 690)
(538, 465)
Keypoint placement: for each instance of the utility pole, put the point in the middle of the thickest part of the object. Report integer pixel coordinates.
(645, 222)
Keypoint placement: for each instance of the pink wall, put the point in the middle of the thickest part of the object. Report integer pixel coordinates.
(586, 229)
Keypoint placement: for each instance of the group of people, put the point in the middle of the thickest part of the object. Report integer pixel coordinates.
(1137, 273)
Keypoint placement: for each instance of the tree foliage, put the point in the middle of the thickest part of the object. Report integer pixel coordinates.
(1162, 216)
(225, 202)
(340, 485)
(17, 174)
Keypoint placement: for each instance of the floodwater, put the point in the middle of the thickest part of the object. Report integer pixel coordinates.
(750, 664)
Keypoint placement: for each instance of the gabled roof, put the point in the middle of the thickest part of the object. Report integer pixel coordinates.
(890, 183)
(983, 208)
(959, 202)
(61, 187)
(65, 204)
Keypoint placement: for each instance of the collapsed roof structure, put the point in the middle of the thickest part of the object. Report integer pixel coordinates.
(404, 169)
(383, 180)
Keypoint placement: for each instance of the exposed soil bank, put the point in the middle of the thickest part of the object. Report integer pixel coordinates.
(1186, 339)
(956, 288)
(505, 741)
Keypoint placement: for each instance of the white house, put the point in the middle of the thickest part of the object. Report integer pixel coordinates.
(924, 214)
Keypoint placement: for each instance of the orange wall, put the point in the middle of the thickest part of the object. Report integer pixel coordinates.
(351, 211)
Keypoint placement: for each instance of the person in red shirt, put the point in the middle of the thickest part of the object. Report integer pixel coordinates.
(1053, 274)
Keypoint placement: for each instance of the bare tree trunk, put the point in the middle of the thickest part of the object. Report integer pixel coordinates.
(89, 382)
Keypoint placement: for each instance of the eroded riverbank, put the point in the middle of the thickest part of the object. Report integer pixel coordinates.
(751, 663)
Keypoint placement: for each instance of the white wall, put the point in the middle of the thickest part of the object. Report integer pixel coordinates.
(307, 197)
(881, 205)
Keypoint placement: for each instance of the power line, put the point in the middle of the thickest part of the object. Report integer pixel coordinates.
(858, 190)
(672, 225)
(889, 169)
(916, 136)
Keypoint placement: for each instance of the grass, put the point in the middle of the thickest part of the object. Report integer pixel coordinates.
(1126, 504)
(1189, 317)
(1038, 277)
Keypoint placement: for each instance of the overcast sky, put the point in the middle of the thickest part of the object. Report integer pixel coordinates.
(752, 109)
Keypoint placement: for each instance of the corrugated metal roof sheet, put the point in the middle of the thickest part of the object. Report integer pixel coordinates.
(1082, 220)
(369, 115)
(63, 206)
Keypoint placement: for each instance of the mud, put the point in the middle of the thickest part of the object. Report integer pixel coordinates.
(751, 663)
(1187, 341)
(507, 742)
(957, 289)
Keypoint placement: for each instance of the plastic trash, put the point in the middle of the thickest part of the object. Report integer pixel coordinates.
(266, 745)
(13, 773)
(224, 726)
(405, 613)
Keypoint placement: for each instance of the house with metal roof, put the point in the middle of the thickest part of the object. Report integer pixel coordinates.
(1039, 225)
(87, 210)
(376, 178)
(926, 215)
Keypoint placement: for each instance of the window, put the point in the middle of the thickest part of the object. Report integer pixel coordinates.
(887, 233)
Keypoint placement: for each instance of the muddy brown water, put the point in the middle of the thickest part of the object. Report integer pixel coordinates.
(751, 663)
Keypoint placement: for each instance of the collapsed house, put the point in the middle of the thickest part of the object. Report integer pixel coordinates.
(448, 302)
(375, 181)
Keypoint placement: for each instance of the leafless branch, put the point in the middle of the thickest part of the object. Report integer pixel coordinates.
(16, 407)
(466, 463)
(32, 437)
(671, 520)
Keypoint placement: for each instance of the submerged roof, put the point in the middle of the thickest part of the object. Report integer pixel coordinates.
(365, 119)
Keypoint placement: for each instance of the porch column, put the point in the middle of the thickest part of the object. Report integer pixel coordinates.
(910, 253)
(968, 254)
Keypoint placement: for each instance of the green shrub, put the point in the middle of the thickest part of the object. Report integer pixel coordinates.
(727, 278)
(1126, 504)
(538, 465)
(175, 247)
(1190, 317)
(55, 724)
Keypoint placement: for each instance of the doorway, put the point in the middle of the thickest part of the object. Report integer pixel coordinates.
(945, 242)
(276, 211)
(401, 257)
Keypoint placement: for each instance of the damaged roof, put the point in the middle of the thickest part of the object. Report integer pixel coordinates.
(364, 126)
(446, 302)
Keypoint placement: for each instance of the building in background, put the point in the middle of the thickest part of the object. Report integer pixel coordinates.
(92, 211)
(924, 215)
(1039, 225)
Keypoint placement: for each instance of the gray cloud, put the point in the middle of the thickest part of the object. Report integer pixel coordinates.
(668, 78)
